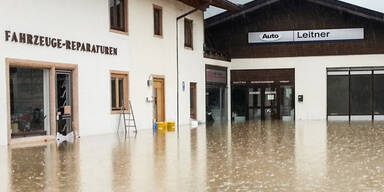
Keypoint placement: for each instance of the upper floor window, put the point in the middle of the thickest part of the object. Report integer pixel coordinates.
(158, 20)
(188, 33)
(118, 12)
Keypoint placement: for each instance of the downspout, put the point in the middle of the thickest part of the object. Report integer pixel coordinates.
(177, 57)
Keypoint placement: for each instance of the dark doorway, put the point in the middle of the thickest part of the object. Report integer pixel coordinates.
(193, 107)
(262, 95)
(263, 102)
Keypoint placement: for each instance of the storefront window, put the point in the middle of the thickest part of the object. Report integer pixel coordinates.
(338, 95)
(361, 95)
(355, 93)
(217, 102)
(379, 94)
(29, 97)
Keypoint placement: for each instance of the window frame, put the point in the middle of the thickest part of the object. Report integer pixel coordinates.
(161, 32)
(125, 76)
(188, 22)
(114, 29)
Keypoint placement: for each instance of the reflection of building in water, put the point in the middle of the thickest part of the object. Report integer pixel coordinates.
(45, 168)
(160, 162)
(121, 166)
(27, 173)
(311, 153)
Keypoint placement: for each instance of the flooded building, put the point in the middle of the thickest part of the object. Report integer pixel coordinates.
(300, 59)
(74, 65)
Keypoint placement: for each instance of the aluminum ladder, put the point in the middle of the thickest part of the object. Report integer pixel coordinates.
(129, 118)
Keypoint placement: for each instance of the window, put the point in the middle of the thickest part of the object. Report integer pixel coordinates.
(188, 33)
(158, 20)
(117, 11)
(355, 93)
(29, 102)
(338, 95)
(379, 93)
(361, 94)
(119, 91)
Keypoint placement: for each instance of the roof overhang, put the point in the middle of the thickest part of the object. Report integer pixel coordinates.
(223, 4)
(334, 4)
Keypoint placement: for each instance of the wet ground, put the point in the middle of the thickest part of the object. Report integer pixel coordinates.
(268, 156)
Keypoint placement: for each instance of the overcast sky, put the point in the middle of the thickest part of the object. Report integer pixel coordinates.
(377, 5)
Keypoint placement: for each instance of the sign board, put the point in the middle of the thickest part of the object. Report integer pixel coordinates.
(67, 110)
(216, 76)
(306, 35)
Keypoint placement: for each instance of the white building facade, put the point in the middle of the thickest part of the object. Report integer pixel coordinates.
(72, 65)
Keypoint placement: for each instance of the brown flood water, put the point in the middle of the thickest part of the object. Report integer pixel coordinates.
(267, 156)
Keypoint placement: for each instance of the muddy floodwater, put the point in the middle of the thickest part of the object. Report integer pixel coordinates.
(258, 156)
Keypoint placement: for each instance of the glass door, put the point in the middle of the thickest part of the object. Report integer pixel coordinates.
(270, 103)
(254, 104)
(64, 102)
(216, 102)
(287, 103)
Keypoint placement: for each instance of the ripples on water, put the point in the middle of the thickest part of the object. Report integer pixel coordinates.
(254, 156)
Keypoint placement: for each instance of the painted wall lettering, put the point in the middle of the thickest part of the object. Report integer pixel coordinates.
(43, 41)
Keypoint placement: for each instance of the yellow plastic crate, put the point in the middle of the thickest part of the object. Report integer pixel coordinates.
(171, 126)
(161, 127)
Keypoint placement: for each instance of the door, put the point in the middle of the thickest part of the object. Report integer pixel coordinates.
(64, 102)
(271, 103)
(159, 99)
(263, 103)
(192, 98)
(258, 102)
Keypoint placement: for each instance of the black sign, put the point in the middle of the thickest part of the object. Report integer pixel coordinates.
(38, 40)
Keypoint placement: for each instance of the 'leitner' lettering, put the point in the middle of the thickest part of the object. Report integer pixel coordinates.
(312, 34)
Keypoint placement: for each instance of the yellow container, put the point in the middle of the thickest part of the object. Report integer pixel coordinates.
(161, 127)
(171, 126)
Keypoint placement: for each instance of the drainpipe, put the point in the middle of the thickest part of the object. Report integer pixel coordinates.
(177, 56)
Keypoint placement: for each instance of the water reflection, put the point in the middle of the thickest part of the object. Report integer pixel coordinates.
(251, 156)
(311, 155)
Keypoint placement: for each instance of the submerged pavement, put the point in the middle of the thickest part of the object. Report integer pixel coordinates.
(257, 156)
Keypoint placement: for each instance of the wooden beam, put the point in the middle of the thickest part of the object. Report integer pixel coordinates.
(224, 4)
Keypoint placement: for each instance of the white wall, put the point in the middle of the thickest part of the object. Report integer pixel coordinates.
(310, 77)
(140, 53)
